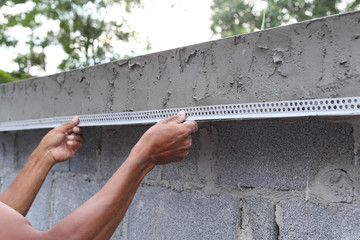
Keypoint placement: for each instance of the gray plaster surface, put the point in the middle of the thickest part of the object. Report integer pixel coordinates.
(162, 214)
(314, 59)
(335, 185)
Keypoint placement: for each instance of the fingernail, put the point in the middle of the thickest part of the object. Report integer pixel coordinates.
(181, 112)
(70, 142)
(71, 137)
(75, 119)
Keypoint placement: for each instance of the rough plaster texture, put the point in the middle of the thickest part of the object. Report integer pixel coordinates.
(312, 59)
(263, 179)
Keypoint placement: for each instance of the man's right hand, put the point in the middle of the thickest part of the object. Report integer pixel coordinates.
(167, 141)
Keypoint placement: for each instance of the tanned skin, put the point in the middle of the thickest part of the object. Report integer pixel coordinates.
(167, 141)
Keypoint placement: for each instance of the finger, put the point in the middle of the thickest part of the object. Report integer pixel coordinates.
(76, 137)
(74, 145)
(179, 118)
(191, 125)
(183, 154)
(77, 130)
(69, 125)
(180, 156)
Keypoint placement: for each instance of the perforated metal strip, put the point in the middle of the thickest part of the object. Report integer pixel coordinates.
(281, 109)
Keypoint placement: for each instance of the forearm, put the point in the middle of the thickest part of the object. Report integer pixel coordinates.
(23, 190)
(99, 216)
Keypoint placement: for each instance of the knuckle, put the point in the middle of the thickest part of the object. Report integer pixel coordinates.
(185, 131)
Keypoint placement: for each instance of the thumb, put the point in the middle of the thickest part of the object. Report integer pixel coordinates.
(69, 125)
(179, 118)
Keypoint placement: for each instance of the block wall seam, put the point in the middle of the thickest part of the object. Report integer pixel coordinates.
(52, 197)
(98, 156)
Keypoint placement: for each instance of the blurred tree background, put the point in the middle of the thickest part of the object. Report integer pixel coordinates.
(80, 27)
(232, 17)
(82, 31)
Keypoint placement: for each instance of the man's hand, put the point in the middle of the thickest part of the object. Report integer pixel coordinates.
(58, 145)
(167, 141)
(64, 141)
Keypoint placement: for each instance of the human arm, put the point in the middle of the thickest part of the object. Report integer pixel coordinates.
(167, 141)
(58, 145)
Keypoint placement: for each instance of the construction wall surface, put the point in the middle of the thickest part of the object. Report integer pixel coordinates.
(256, 179)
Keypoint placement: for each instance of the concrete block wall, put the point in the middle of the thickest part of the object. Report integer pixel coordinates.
(258, 179)
(263, 179)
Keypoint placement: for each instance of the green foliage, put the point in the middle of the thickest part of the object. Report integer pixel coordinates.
(79, 26)
(6, 77)
(231, 17)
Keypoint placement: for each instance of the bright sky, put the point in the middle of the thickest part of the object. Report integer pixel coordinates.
(166, 24)
(171, 24)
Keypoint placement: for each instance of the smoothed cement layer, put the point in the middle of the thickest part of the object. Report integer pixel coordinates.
(314, 59)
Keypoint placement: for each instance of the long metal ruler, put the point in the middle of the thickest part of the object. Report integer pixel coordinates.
(348, 106)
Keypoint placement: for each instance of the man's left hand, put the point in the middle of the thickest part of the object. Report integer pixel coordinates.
(64, 141)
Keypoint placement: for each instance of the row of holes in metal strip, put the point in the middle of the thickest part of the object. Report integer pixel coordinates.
(273, 107)
(251, 108)
(301, 106)
(152, 114)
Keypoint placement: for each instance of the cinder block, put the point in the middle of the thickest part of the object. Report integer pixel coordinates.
(162, 214)
(39, 212)
(7, 180)
(187, 168)
(25, 144)
(85, 161)
(7, 153)
(300, 220)
(260, 218)
(281, 155)
(116, 145)
(70, 193)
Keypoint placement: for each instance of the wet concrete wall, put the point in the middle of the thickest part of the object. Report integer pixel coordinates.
(259, 179)
(308, 60)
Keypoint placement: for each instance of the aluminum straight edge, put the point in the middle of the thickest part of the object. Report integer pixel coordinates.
(331, 107)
